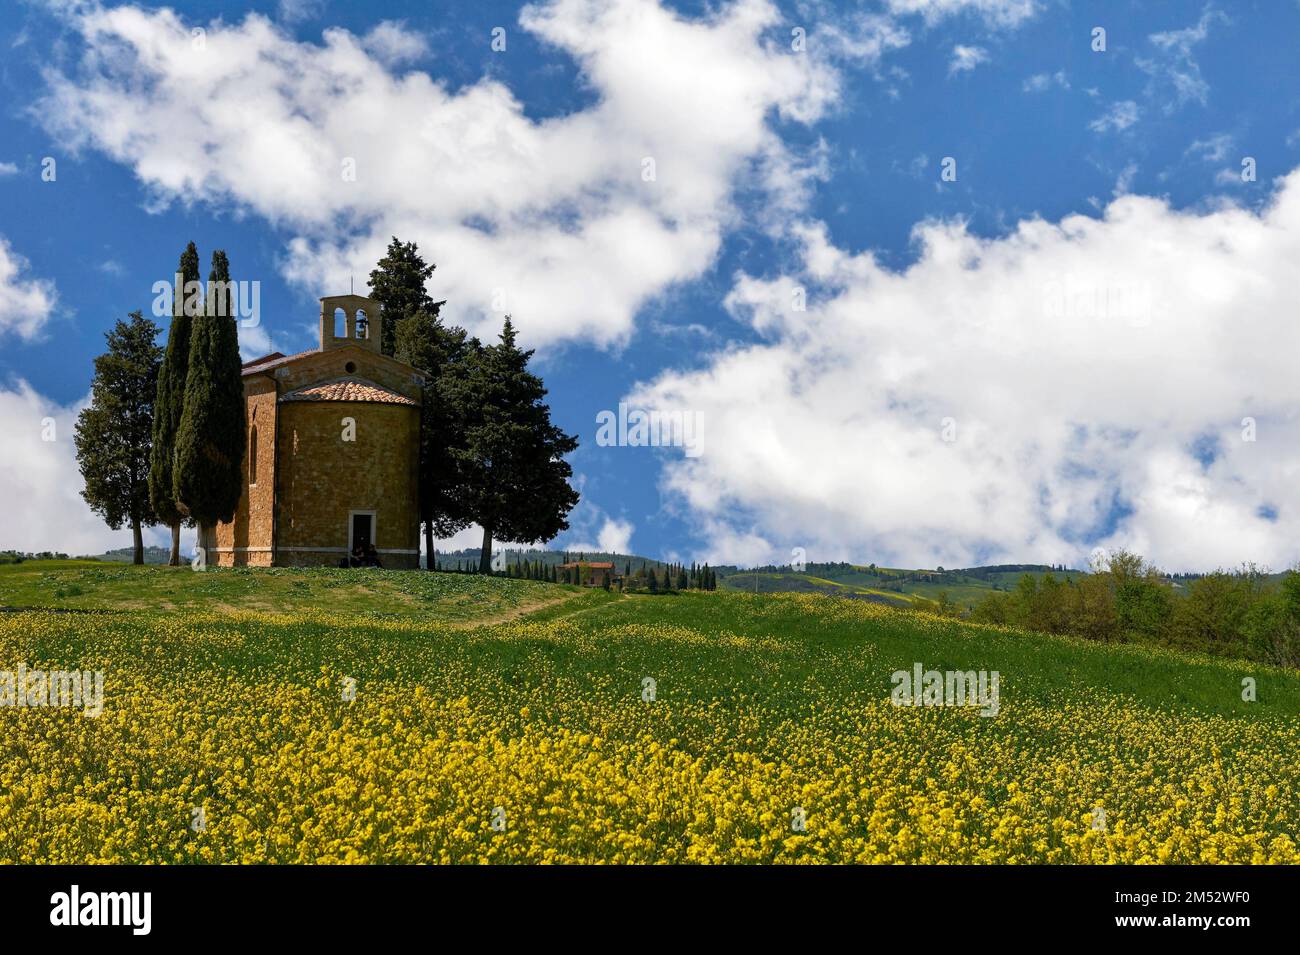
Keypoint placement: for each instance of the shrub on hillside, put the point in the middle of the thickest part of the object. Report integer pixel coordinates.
(1271, 627)
(1214, 612)
(1226, 612)
(1143, 603)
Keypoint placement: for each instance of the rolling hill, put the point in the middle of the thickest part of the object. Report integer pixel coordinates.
(312, 716)
(892, 586)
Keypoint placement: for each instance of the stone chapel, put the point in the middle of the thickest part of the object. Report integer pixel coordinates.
(333, 451)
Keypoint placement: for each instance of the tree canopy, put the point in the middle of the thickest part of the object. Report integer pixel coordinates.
(114, 434)
(509, 463)
(397, 283)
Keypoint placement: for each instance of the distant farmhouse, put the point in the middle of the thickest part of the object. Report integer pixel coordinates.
(333, 451)
(593, 573)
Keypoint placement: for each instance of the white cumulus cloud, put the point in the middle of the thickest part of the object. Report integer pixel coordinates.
(40, 481)
(26, 302)
(391, 43)
(572, 222)
(1094, 381)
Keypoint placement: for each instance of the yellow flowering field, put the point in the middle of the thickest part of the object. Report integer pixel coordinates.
(701, 728)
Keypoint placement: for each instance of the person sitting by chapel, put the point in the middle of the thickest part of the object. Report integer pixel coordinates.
(372, 556)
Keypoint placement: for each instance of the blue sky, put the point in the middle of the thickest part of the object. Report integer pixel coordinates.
(820, 169)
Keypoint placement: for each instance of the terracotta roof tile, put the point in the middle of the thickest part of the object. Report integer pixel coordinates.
(349, 389)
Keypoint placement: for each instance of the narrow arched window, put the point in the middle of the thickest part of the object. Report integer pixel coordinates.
(340, 323)
(363, 324)
(252, 456)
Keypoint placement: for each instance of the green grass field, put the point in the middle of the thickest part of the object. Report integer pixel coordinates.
(497, 720)
(448, 598)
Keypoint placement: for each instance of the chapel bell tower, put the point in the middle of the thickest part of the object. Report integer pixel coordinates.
(350, 319)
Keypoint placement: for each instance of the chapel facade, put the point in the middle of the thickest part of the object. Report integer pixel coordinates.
(333, 437)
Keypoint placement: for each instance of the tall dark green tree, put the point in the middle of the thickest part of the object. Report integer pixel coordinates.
(115, 433)
(208, 472)
(397, 284)
(423, 341)
(169, 405)
(512, 477)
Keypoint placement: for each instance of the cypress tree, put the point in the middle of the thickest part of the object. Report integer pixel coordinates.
(397, 284)
(114, 434)
(208, 475)
(169, 404)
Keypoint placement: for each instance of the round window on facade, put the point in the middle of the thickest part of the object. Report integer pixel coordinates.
(350, 367)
